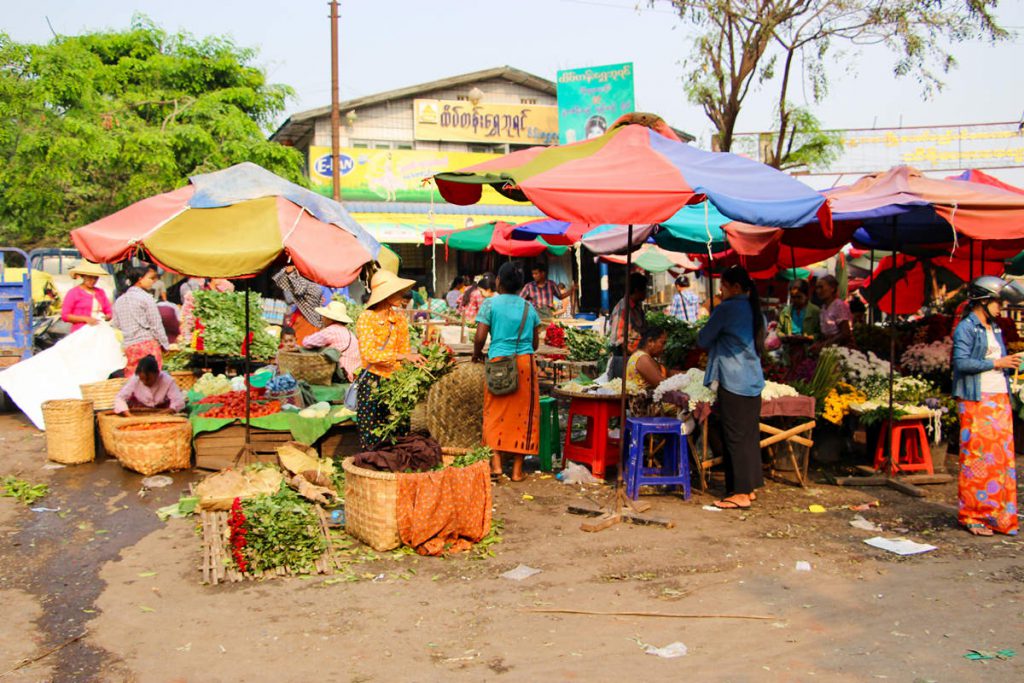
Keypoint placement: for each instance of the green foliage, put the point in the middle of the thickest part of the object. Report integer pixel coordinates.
(585, 345)
(682, 336)
(742, 47)
(827, 374)
(91, 123)
(473, 456)
(23, 491)
(406, 387)
(282, 531)
(223, 317)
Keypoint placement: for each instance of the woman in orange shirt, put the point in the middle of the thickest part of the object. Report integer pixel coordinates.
(383, 334)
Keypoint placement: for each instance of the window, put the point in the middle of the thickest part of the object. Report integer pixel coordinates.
(527, 100)
(462, 98)
(403, 145)
(382, 145)
(487, 149)
(361, 145)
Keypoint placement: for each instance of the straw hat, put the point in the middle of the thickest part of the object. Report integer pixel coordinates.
(384, 283)
(87, 268)
(335, 311)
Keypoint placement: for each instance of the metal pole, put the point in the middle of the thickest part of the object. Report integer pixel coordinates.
(892, 355)
(335, 113)
(871, 275)
(971, 266)
(627, 313)
(248, 393)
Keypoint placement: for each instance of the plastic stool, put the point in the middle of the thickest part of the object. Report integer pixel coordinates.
(597, 449)
(910, 450)
(550, 453)
(675, 463)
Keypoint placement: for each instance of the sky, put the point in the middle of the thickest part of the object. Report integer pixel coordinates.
(388, 44)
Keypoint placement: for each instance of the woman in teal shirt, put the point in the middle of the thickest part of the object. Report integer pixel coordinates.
(511, 421)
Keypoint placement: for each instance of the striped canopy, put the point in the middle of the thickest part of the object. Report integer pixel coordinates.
(638, 173)
(234, 223)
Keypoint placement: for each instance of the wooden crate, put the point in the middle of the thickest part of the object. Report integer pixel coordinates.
(217, 450)
(340, 441)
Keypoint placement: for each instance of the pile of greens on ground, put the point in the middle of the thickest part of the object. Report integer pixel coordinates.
(471, 457)
(585, 345)
(282, 530)
(408, 386)
(223, 317)
(23, 491)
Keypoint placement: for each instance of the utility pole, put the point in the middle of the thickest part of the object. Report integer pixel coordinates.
(335, 113)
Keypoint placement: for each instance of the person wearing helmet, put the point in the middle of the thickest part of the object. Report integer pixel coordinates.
(987, 484)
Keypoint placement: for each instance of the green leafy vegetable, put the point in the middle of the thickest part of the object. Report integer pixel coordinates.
(682, 336)
(23, 491)
(223, 317)
(282, 531)
(585, 345)
(407, 387)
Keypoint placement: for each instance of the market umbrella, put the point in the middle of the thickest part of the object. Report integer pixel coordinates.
(654, 259)
(234, 223)
(639, 172)
(975, 176)
(493, 236)
(553, 232)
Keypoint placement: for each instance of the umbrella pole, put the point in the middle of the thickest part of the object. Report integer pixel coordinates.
(871, 307)
(892, 357)
(245, 455)
(622, 509)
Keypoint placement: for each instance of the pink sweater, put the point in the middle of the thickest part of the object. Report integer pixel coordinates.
(79, 302)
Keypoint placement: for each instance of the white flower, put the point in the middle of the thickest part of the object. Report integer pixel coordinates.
(928, 358)
(690, 383)
(775, 390)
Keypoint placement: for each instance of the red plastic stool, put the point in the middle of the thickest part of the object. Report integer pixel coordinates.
(596, 449)
(910, 451)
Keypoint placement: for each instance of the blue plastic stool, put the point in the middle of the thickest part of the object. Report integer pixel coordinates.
(675, 464)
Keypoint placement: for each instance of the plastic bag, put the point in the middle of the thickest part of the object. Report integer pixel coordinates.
(577, 474)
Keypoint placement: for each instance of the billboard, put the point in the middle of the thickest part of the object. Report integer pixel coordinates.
(393, 175)
(591, 99)
(459, 121)
(927, 148)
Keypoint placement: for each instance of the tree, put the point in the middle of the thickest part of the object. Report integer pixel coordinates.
(745, 44)
(92, 123)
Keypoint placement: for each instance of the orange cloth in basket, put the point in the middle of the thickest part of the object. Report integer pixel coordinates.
(445, 511)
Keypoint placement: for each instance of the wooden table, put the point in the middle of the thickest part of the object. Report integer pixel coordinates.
(794, 437)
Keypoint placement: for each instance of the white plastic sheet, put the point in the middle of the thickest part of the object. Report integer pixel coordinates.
(89, 355)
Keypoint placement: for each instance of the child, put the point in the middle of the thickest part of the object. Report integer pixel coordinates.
(288, 340)
(149, 388)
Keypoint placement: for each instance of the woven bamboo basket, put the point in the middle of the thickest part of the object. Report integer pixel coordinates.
(107, 421)
(371, 503)
(185, 379)
(102, 394)
(418, 419)
(157, 450)
(455, 406)
(311, 367)
(70, 436)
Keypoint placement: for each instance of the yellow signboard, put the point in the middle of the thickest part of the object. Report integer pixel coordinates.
(458, 121)
(393, 175)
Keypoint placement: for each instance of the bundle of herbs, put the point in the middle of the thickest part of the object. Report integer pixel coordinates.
(280, 530)
(408, 386)
(585, 345)
(222, 315)
(682, 337)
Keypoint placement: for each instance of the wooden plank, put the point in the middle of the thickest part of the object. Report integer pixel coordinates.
(584, 510)
(918, 479)
(603, 522)
(862, 481)
(795, 439)
(648, 520)
(906, 488)
(867, 469)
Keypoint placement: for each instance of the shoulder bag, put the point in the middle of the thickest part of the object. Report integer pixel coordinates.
(502, 374)
(352, 393)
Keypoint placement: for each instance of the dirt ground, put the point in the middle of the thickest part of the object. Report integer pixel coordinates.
(106, 567)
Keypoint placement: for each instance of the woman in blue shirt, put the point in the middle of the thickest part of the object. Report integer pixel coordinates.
(988, 480)
(511, 421)
(734, 337)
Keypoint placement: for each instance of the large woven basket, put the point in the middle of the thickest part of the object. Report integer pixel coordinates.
(102, 394)
(166, 448)
(371, 503)
(311, 367)
(418, 418)
(107, 421)
(185, 379)
(70, 437)
(455, 406)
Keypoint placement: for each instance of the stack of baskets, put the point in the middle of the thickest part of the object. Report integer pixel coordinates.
(149, 447)
(102, 394)
(107, 421)
(70, 439)
(371, 503)
(309, 367)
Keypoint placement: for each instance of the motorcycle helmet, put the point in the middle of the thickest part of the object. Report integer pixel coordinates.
(992, 287)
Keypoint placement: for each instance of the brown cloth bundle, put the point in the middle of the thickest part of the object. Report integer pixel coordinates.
(445, 511)
(413, 453)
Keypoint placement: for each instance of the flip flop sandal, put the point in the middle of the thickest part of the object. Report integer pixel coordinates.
(978, 530)
(726, 504)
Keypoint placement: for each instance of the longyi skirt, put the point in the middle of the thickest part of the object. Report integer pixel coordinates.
(988, 474)
(512, 421)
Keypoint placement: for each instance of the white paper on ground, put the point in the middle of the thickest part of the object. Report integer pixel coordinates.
(670, 651)
(803, 566)
(711, 508)
(519, 573)
(900, 546)
(86, 356)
